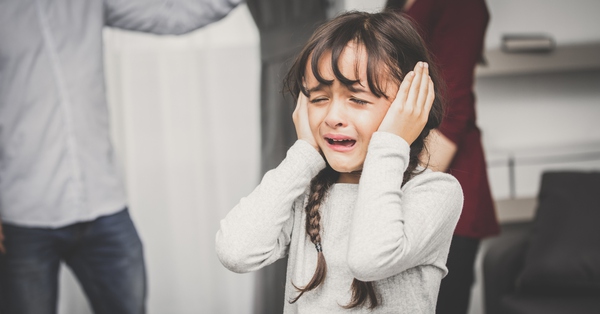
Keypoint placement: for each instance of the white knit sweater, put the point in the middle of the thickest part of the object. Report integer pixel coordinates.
(376, 230)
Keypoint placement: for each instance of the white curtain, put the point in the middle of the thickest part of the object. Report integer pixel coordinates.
(185, 122)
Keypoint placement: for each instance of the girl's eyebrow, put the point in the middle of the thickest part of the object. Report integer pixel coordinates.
(357, 88)
(316, 88)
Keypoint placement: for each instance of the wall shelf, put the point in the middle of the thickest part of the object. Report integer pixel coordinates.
(564, 58)
(516, 174)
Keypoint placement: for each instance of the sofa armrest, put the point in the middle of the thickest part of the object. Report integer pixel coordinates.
(502, 262)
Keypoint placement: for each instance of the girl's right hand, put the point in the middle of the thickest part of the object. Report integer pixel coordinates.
(300, 117)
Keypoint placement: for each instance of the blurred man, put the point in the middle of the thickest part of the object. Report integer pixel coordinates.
(61, 197)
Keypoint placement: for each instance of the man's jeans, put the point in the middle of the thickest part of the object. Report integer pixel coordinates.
(105, 255)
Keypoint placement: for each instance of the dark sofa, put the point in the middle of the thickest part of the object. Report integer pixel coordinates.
(550, 265)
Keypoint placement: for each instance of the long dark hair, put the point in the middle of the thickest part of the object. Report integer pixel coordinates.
(393, 47)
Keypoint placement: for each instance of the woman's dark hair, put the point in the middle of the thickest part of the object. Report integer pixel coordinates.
(393, 47)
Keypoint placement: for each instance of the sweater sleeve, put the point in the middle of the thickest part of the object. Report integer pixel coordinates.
(257, 231)
(395, 228)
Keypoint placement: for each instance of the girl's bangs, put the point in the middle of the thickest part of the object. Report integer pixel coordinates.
(335, 42)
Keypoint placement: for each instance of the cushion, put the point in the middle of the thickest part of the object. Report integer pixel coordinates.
(515, 304)
(564, 252)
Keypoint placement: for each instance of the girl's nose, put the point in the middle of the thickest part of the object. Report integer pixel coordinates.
(336, 115)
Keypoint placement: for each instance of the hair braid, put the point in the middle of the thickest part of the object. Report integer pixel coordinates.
(361, 291)
(318, 190)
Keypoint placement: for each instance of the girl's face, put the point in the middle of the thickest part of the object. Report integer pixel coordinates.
(343, 118)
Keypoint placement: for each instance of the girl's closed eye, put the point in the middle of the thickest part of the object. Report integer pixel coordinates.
(359, 101)
(317, 100)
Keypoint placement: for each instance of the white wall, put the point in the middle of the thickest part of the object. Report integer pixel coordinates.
(568, 22)
(539, 119)
(363, 5)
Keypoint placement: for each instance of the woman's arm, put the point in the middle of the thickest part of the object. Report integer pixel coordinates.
(439, 153)
(256, 232)
(396, 228)
(174, 17)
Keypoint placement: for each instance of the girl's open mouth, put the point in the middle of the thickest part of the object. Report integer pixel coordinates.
(340, 144)
(347, 143)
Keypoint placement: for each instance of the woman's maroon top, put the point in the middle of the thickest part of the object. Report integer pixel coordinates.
(454, 31)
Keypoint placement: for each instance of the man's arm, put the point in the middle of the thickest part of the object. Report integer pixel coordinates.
(166, 17)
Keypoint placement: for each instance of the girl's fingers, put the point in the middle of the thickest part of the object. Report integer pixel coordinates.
(297, 115)
(423, 91)
(430, 97)
(302, 103)
(302, 100)
(297, 109)
(300, 118)
(414, 87)
(404, 88)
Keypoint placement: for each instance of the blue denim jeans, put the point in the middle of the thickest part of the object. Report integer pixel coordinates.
(105, 255)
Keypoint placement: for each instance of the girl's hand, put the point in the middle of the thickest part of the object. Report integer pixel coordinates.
(300, 117)
(409, 112)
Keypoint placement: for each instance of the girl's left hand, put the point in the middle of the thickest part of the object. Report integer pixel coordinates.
(300, 118)
(409, 112)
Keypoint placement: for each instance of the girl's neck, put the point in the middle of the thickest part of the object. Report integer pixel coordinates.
(349, 177)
